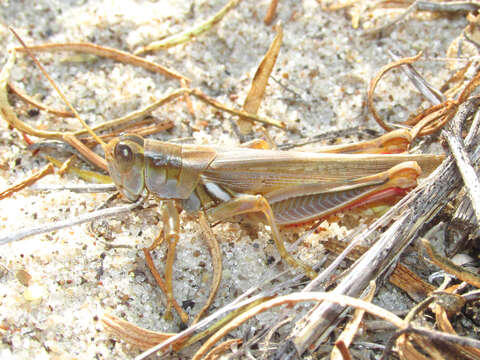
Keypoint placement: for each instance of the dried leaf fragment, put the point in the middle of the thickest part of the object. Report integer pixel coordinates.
(259, 82)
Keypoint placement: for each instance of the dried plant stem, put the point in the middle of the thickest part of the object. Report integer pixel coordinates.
(466, 169)
(109, 53)
(293, 299)
(347, 335)
(390, 24)
(376, 79)
(22, 234)
(9, 115)
(216, 255)
(450, 267)
(48, 169)
(189, 34)
(88, 188)
(34, 103)
(417, 208)
(219, 349)
(133, 334)
(57, 89)
(271, 12)
(129, 117)
(451, 6)
(148, 258)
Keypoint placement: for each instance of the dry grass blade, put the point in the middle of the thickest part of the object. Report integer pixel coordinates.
(401, 276)
(189, 34)
(7, 112)
(45, 228)
(391, 24)
(29, 100)
(87, 175)
(216, 255)
(11, 118)
(407, 350)
(151, 266)
(444, 324)
(135, 335)
(109, 53)
(260, 81)
(416, 209)
(271, 12)
(336, 5)
(243, 114)
(437, 344)
(450, 267)
(376, 79)
(48, 169)
(294, 298)
(132, 116)
(346, 337)
(60, 93)
(221, 348)
(141, 128)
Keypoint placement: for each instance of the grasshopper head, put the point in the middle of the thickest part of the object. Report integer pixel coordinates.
(125, 160)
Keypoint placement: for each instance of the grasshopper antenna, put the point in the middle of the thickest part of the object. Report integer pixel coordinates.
(57, 89)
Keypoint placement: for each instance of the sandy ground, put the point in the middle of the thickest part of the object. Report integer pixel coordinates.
(319, 83)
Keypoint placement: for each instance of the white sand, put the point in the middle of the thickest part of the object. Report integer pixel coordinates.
(324, 67)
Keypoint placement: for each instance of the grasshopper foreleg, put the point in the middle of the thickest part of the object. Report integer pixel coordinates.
(171, 228)
(243, 204)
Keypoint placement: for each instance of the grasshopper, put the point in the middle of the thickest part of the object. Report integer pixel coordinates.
(287, 187)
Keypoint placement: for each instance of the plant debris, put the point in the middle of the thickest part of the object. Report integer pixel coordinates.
(73, 292)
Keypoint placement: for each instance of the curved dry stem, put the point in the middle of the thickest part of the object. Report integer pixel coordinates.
(450, 267)
(376, 79)
(293, 299)
(37, 175)
(429, 120)
(57, 88)
(469, 88)
(7, 112)
(11, 118)
(432, 119)
(189, 34)
(203, 97)
(130, 117)
(109, 53)
(151, 266)
(140, 337)
(216, 255)
(217, 350)
(29, 100)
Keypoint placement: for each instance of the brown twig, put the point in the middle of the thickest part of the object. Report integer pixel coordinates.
(420, 205)
(47, 169)
(148, 259)
(219, 349)
(109, 53)
(34, 103)
(271, 12)
(216, 255)
(450, 267)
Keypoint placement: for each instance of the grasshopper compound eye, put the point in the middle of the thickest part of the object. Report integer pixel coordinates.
(126, 165)
(124, 156)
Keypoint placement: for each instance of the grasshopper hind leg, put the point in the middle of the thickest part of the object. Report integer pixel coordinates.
(243, 204)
